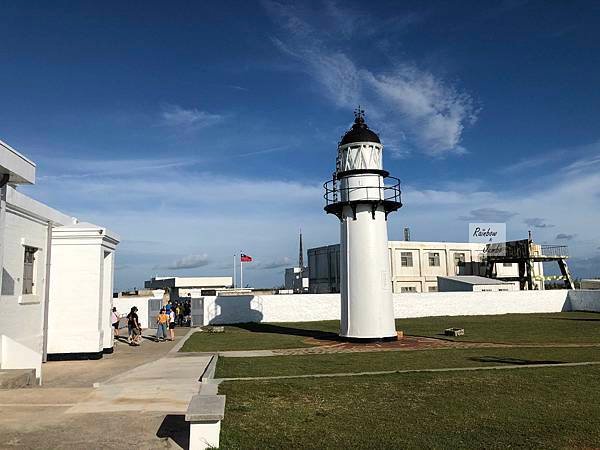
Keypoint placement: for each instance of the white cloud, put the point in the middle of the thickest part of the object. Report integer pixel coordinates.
(161, 218)
(488, 215)
(188, 262)
(537, 222)
(277, 263)
(420, 110)
(565, 237)
(188, 119)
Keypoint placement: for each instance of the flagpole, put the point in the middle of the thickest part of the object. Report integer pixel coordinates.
(241, 272)
(234, 274)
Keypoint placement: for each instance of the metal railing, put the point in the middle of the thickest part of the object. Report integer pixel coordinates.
(555, 250)
(336, 194)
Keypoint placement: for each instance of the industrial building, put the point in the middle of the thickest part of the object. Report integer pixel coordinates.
(57, 277)
(415, 266)
(296, 280)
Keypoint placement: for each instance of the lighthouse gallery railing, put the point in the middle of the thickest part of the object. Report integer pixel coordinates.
(334, 193)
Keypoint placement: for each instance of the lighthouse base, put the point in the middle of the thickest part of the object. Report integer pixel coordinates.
(359, 340)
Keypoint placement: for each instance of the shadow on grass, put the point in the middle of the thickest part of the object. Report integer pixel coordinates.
(514, 361)
(578, 319)
(175, 427)
(278, 329)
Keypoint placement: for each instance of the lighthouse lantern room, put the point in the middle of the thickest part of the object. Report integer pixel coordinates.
(361, 200)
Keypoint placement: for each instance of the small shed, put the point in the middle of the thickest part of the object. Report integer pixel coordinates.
(473, 283)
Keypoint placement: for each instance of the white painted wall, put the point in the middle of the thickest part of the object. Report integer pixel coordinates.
(314, 307)
(21, 330)
(584, 300)
(124, 304)
(78, 310)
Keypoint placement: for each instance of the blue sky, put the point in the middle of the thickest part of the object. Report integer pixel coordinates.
(198, 129)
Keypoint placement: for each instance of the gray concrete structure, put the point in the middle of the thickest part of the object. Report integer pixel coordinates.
(472, 283)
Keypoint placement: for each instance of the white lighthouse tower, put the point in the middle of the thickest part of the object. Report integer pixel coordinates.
(358, 196)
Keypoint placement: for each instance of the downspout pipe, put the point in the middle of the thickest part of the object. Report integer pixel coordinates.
(50, 225)
(3, 182)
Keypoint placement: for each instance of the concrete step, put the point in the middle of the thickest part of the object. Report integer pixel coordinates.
(17, 378)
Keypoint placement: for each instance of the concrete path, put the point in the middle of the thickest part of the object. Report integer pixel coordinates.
(387, 372)
(167, 385)
(141, 396)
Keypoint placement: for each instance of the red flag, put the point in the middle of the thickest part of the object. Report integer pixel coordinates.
(245, 258)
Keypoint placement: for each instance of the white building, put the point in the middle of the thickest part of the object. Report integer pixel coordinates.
(474, 283)
(414, 265)
(56, 284)
(180, 287)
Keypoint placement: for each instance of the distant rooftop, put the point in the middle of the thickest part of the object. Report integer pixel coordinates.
(474, 279)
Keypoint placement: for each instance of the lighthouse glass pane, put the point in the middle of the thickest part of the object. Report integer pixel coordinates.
(406, 259)
(434, 259)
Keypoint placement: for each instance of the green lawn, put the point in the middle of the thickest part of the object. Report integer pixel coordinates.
(398, 360)
(569, 327)
(526, 408)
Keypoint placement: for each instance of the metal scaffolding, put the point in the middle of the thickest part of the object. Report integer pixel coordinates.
(525, 252)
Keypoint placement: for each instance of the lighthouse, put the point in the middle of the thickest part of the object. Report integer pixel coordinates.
(362, 194)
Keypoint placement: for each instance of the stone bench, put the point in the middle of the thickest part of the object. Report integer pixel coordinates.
(204, 414)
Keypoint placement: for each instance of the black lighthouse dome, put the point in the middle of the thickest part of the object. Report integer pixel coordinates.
(360, 131)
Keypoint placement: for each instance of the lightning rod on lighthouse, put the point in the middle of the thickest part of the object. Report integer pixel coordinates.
(361, 200)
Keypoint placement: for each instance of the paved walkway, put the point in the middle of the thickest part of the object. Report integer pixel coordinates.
(140, 397)
(387, 372)
(407, 343)
(167, 385)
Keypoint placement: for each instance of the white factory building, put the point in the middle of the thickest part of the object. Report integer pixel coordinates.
(179, 288)
(57, 277)
(414, 266)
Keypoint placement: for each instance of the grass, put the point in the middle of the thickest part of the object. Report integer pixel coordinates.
(527, 408)
(242, 337)
(568, 327)
(398, 360)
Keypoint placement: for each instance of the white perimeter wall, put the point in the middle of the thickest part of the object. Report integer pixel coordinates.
(314, 307)
(124, 304)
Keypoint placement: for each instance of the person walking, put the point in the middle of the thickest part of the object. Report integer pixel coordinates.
(114, 318)
(134, 328)
(179, 314)
(161, 325)
(171, 314)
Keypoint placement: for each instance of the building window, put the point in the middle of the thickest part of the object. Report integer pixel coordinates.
(459, 259)
(434, 259)
(507, 264)
(406, 259)
(28, 270)
(433, 289)
(407, 289)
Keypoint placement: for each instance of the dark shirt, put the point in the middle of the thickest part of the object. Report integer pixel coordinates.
(132, 319)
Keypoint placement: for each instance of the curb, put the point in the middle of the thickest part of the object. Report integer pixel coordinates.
(178, 346)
